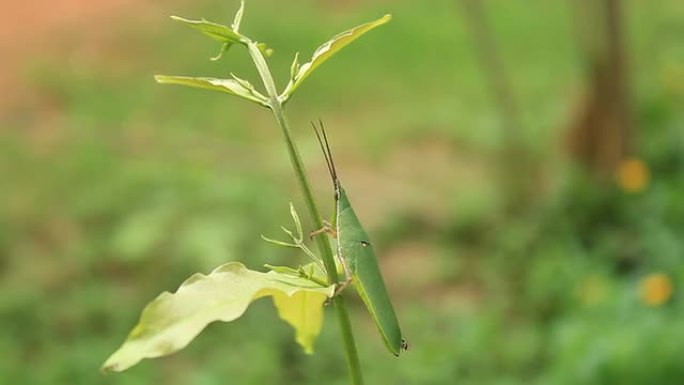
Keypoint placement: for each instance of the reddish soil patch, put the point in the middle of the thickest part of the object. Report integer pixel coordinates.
(30, 28)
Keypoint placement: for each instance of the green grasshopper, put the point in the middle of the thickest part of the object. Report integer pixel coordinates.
(358, 259)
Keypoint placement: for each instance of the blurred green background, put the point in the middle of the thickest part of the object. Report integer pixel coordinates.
(510, 258)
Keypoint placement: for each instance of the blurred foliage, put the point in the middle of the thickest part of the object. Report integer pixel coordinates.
(109, 179)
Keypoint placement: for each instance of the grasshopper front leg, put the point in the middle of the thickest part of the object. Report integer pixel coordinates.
(327, 229)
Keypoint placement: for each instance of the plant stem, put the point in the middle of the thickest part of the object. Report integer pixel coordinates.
(353, 363)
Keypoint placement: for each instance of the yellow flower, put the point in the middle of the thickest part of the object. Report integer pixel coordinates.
(633, 175)
(656, 289)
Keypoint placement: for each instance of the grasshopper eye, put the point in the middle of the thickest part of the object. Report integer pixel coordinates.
(365, 244)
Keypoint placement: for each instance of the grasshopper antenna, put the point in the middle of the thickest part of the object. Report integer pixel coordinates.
(325, 147)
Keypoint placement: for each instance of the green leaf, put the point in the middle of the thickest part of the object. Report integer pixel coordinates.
(228, 36)
(266, 50)
(327, 50)
(294, 67)
(238, 17)
(215, 31)
(224, 49)
(171, 321)
(298, 223)
(235, 27)
(278, 243)
(235, 86)
(311, 271)
(287, 270)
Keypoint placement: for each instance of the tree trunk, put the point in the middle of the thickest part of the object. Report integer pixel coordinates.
(600, 136)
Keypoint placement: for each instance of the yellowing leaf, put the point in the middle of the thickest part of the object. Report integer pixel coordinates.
(302, 310)
(236, 86)
(325, 51)
(171, 321)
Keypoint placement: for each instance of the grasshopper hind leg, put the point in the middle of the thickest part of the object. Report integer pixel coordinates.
(342, 286)
(347, 274)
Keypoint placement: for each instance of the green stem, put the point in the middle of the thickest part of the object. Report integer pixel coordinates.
(353, 364)
(322, 242)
